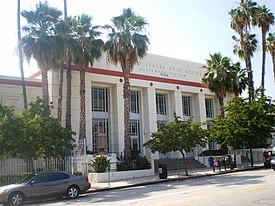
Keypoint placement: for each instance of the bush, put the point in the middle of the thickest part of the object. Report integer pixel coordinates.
(142, 163)
(138, 163)
(100, 164)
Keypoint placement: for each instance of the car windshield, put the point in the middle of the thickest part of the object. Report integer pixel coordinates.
(26, 179)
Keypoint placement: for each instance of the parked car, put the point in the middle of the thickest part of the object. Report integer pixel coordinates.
(44, 184)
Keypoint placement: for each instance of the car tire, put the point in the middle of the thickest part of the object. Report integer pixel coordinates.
(73, 192)
(16, 198)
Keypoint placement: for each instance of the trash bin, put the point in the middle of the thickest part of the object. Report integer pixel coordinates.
(162, 171)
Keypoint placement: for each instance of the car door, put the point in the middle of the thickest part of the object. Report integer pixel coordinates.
(37, 187)
(58, 182)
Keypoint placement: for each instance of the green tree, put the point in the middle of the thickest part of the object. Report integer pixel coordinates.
(263, 19)
(40, 40)
(125, 45)
(248, 123)
(86, 47)
(32, 133)
(177, 135)
(9, 130)
(241, 20)
(221, 76)
(271, 49)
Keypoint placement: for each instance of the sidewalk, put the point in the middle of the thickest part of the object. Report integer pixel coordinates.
(172, 176)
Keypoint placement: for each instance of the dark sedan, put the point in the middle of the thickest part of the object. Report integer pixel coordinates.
(44, 184)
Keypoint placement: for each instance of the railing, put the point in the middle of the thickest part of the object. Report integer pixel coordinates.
(12, 170)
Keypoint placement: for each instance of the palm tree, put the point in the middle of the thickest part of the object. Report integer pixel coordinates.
(125, 45)
(85, 48)
(271, 49)
(40, 41)
(263, 19)
(241, 19)
(239, 79)
(217, 77)
(20, 53)
(68, 118)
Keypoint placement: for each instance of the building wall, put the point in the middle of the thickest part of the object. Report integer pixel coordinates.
(11, 92)
(153, 75)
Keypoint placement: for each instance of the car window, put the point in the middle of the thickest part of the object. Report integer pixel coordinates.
(41, 178)
(55, 176)
(26, 179)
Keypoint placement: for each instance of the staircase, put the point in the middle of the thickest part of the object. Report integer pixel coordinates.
(178, 164)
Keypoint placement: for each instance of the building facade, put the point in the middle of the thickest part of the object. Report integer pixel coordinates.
(160, 87)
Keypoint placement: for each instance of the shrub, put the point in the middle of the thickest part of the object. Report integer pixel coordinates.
(142, 163)
(138, 163)
(100, 164)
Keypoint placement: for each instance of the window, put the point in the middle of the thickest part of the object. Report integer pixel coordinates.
(42, 178)
(186, 106)
(209, 108)
(135, 134)
(100, 136)
(55, 176)
(161, 104)
(99, 99)
(134, 102)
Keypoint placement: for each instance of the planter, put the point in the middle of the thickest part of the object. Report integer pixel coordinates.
(118, 175)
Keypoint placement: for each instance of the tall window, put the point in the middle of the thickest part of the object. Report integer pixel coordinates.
(135, 121)
(100, 129)
(186, 106)
(135, 134)
(99, 99)
(209, 108)
(161, 104)
(100, 136)
(134, 102)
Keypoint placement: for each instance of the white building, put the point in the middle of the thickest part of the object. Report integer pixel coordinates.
(160, 87)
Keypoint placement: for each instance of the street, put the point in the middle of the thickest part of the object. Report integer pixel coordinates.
(255, 187)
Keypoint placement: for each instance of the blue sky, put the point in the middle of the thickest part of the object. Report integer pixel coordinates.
(183, 29)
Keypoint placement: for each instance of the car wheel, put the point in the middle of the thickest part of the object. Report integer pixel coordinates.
(16, 198)
(73, 192)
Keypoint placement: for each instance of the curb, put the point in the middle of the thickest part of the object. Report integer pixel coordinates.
(91, 190)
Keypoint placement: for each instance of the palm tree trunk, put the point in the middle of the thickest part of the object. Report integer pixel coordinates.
(127, 140)
(263, 61)
(273, 63)
(82, 123)
(68, 123)
(21, 56)
(69, 95)
(45, 90)
(250, 77)
(65, 9)
(60, 93)
(221, 103)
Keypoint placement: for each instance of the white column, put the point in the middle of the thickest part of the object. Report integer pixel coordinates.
(175, 104)
(117, 119)
(199, 115)
(199, 107)
(149, 118)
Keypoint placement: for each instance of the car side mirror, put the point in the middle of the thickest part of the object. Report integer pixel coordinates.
(32, 182)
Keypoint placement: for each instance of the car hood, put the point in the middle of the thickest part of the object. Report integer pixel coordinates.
(8, 187)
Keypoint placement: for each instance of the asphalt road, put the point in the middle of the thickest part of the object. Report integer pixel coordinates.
(255, 188)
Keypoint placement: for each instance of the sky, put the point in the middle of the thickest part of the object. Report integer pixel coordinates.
(183, 29)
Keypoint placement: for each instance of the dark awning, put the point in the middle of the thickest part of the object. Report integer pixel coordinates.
(216, 152)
